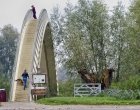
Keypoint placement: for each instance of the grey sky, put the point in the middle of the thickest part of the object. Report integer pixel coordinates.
(13, 11)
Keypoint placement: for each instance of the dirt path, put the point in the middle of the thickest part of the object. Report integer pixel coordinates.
(34, 106)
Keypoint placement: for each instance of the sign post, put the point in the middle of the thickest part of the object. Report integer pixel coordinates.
(38, 85)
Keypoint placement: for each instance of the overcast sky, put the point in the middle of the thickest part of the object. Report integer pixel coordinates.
(13, 11)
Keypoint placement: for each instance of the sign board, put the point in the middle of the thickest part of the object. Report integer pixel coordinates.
(39, 78)
(38, 91)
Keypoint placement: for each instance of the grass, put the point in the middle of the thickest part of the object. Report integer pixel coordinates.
(87, 101)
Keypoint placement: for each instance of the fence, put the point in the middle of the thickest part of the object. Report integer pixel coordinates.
(87, 89)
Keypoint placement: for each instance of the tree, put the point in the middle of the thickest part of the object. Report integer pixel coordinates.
(133, 26)
(118, 36)
(86, 30)
(57, 21)
(8, 42)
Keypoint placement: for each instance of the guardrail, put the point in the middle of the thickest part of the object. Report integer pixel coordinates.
(87, 89)
(38, 41)
(42, 23)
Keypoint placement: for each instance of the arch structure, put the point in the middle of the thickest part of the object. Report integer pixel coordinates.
(34, 50)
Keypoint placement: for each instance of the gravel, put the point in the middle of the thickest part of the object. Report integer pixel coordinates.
(34, 106)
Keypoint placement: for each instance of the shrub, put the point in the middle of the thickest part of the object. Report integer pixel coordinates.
(131, 83)
(66, 88)
(128, 88)
(123, 94)
(5, 84)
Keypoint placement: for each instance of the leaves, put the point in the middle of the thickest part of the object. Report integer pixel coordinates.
(91, 38)
(8, 42)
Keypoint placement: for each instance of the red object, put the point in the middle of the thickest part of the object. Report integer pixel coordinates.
(2, 95)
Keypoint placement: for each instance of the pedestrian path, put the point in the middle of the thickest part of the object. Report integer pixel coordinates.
(35, 106)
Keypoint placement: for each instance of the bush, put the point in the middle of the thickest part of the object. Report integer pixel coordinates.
(66, 88)
(131, 83)
(5, 84)
(128, 88)
(122, 94)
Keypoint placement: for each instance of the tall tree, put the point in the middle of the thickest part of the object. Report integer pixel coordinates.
(57, 21)
(133, 38)
(118, 35)
(86, 31)
(8, 42)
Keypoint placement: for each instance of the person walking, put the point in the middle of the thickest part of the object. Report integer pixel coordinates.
(25, 75)
(34, 12)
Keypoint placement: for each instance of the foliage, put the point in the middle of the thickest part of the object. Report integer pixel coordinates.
(84, 41)
(8, 43)
(87, 101)
(127, 88)
(131, 53)
(80, 32)
(66, 87)
(4, 84)
(121, 94)
(8, 40)
(86, 36)
(128, 83)
(118, 37)
(90, 37)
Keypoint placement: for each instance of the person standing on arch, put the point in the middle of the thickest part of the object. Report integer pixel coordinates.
(34, 12)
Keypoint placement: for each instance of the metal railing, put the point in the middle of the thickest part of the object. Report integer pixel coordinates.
(38, 43)
(42, 23)
(87, 89)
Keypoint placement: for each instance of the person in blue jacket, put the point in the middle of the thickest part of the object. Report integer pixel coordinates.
(34, 12)
(25, 76)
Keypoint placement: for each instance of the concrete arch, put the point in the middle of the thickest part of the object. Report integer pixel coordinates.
(35, 51)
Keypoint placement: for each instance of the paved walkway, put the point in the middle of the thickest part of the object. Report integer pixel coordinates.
(34, 106)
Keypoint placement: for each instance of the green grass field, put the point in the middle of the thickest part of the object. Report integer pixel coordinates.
(87, 101)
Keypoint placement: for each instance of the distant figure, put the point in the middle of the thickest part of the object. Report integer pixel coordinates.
(34, 12)
(25, 76)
